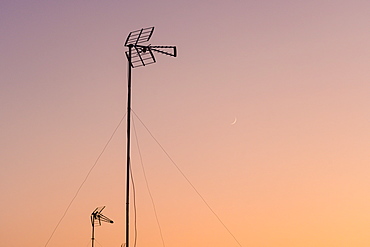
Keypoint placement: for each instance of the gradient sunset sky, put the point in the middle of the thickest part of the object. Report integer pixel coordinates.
(293, 171)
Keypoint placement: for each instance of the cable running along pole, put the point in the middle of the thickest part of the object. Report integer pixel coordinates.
(128, 145)
(138, 55)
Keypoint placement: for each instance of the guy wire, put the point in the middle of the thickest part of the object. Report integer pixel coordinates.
(183, 174)
(147, 184)
(83, 182)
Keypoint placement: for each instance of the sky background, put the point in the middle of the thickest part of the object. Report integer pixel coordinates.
(292, 171)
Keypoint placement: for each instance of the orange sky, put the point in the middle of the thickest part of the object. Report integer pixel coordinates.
(292, 171)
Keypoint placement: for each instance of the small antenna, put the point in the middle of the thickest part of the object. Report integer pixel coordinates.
(96, 218)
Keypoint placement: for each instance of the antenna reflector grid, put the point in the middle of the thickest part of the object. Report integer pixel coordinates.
(140, 58)
(139, 36)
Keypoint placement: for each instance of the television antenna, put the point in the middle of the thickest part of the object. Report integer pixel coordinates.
(138, 55)
(96, 218)
(141, 55)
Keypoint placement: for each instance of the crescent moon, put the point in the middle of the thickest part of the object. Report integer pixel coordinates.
(235, 120)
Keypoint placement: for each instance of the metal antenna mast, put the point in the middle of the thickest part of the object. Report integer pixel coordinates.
(138, 55)
(96, 218)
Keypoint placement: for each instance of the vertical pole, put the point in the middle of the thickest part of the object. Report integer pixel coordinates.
(128, 147)
(92, 235)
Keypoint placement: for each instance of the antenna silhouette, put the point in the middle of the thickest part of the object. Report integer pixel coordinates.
(142, 55)
(96, 218)
(138, 55)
